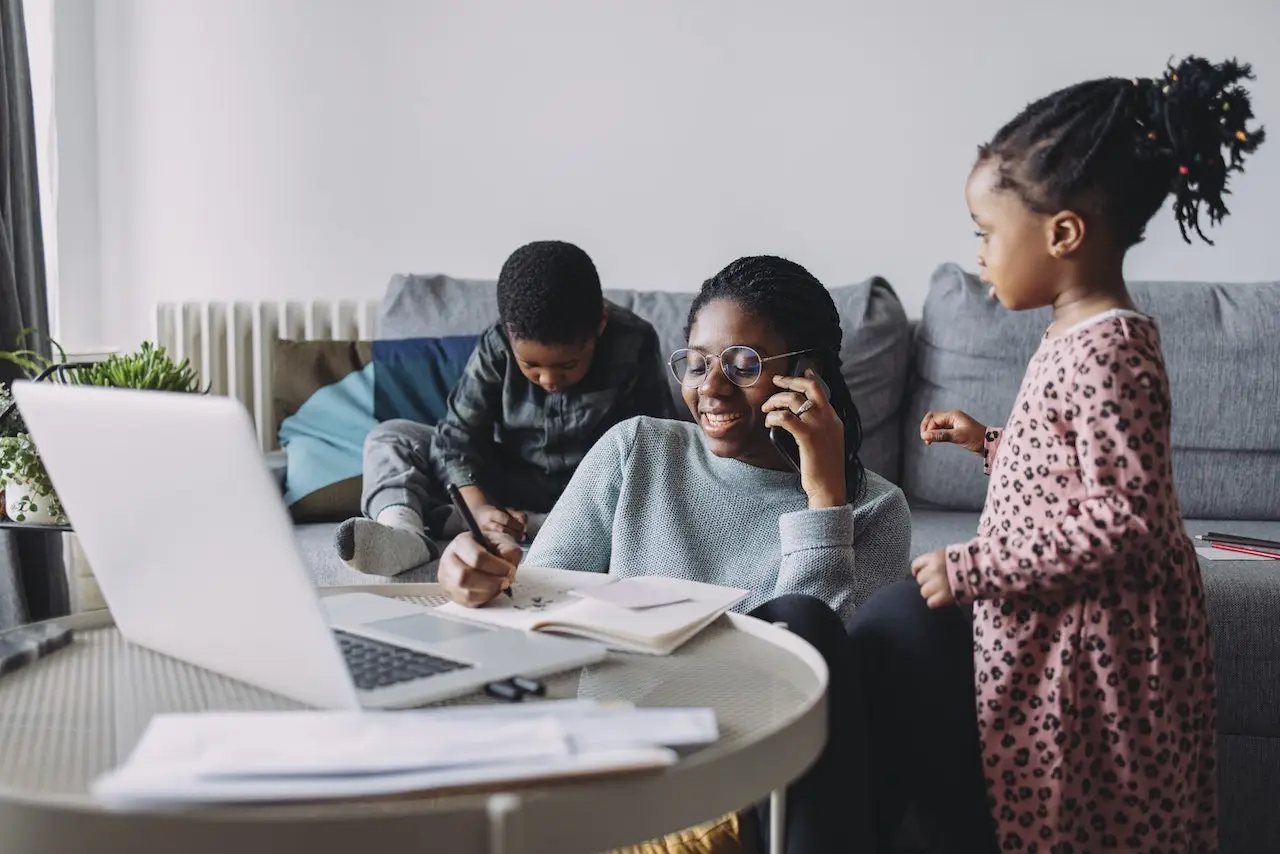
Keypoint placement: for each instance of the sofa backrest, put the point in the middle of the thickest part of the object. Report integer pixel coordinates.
(1223, 358)
(874, 354)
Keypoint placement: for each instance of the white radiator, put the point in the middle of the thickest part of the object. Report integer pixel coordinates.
(230, 343)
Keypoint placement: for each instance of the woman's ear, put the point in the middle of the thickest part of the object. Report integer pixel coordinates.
(1065, 233)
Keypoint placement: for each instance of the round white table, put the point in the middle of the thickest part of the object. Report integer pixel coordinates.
(78, 712)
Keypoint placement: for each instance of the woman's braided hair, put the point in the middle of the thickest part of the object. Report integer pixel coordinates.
(793, 301)
(1116, 148)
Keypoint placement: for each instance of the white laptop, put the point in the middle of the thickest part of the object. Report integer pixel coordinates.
(193, 548)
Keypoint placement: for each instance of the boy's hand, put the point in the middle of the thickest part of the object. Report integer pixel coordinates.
(930, 571)
(955, 427)
(495, 520)
(473, 577)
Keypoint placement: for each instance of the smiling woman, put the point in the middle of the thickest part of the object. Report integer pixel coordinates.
(717, 501)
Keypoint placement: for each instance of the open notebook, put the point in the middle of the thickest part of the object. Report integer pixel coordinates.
(648, 614)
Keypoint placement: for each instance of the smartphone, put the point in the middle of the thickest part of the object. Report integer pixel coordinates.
(20, 647)
(780, 436)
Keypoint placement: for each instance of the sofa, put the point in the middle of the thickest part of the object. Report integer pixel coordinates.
(967, 352)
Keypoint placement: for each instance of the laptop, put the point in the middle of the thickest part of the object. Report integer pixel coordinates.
(194, 552)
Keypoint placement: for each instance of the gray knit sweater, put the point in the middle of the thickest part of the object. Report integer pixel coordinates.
(651, 499)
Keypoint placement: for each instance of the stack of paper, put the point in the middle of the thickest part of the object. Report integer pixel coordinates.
(234, 757)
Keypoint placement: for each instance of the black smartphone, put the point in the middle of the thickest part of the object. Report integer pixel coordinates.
(780, 436)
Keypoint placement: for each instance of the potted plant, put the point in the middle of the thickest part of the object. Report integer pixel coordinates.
(28, 494)
(149, 368)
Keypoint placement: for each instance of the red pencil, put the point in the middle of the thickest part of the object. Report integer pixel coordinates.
(1244, 551)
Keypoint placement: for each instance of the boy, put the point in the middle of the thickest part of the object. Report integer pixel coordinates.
(559, 368)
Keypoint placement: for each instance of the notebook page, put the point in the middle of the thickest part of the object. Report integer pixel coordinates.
(652, 628)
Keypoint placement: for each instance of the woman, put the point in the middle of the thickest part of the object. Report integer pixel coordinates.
(656, 497)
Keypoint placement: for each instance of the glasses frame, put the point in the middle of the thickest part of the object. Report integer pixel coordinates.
(719, 360)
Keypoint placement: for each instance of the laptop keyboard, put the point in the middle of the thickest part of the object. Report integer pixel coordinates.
(374, 664)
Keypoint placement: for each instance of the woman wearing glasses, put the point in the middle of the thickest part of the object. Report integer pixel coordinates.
(717, 501)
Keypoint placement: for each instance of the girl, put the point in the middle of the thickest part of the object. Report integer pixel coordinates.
(1094, 675)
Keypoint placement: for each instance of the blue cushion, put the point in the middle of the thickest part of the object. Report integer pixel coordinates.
(413, 377)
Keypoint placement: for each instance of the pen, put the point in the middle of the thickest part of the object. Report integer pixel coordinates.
(455, 495)
(1246, 551)
(1237, 540)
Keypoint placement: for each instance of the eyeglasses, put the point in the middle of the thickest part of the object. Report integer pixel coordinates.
(741, 365)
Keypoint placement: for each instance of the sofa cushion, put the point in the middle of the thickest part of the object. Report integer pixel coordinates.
(330, 394)
(875, 351)
(323, 394)
(970, 353)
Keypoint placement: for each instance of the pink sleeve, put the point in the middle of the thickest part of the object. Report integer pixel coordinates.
(990, 444)
(1121, 448)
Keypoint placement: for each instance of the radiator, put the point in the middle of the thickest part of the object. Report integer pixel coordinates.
(230, 344)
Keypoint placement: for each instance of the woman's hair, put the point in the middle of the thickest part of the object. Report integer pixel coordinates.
(1116, 148)
(789, 298)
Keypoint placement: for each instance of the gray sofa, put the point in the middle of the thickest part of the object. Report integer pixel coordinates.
(967, 352)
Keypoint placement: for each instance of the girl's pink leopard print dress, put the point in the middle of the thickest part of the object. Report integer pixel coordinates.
(1095, 682)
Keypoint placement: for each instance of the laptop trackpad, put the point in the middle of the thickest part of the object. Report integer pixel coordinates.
(425, 628)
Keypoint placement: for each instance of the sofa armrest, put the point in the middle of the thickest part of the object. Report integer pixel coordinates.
(275, 461)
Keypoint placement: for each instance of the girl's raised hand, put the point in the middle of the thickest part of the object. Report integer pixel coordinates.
(955, 427)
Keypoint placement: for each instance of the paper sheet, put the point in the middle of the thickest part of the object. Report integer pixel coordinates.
(635, 594)
(240, 757)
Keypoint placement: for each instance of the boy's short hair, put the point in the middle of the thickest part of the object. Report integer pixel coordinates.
(549, 292)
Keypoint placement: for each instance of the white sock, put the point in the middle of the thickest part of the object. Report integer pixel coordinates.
(401, 517)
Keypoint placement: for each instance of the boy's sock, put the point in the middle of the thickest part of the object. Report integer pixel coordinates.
(394, 544)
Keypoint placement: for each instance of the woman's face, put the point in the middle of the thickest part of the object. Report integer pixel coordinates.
(730, 415)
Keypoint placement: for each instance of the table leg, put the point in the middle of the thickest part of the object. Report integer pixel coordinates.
(778, 822)
(504, 824)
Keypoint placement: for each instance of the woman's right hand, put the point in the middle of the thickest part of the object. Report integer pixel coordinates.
(955, 427)
(473, 577)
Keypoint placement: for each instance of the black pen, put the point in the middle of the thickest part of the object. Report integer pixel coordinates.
(1238, 540)
(455, 495)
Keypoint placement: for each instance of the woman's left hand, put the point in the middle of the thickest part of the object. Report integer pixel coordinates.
(804, 411)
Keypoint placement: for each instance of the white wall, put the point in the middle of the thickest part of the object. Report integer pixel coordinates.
(264, 148)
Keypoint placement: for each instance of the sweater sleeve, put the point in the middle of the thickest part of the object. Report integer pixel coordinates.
(842, 555)
(578, 533)
(1121, 464)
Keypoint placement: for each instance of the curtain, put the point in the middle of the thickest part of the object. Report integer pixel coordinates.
(32, 581)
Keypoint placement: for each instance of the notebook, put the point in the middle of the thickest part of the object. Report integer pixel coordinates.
(648, 614)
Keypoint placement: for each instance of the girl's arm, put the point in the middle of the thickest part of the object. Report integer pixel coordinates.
(578, 533)
(1121, 442)
(844, 554)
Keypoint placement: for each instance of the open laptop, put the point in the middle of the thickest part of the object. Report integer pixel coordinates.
(194, 551)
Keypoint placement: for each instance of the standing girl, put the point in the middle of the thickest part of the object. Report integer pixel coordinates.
(1093, 728)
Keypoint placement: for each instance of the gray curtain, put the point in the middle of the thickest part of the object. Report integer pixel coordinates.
(32, 583)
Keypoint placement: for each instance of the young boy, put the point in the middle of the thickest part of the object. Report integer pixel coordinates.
(559, 368)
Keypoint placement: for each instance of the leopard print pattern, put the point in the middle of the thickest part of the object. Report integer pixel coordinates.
(1095, 681)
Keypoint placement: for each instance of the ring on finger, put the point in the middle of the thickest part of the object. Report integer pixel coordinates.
(804, 407)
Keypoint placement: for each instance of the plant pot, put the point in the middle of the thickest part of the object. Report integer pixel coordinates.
(24, 502)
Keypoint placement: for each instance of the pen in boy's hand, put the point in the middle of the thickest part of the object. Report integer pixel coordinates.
(459, 504)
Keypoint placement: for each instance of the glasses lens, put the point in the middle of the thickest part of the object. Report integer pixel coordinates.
(689, 367)
(741, 365)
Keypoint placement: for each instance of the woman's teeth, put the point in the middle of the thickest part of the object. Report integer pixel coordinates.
(718, 420)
